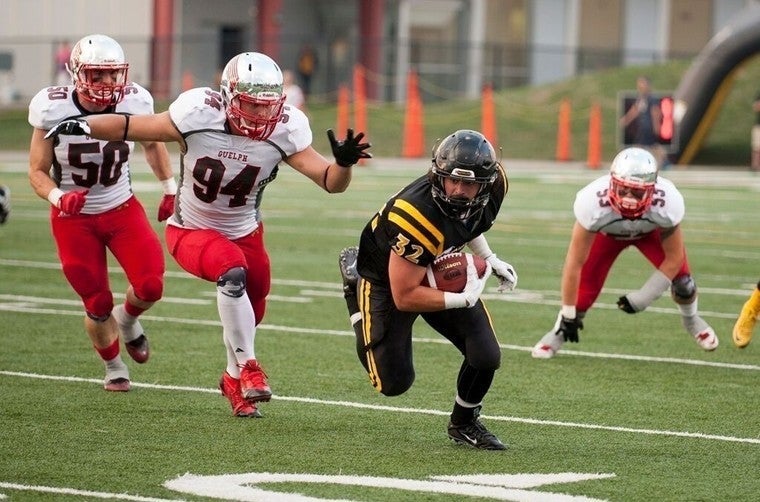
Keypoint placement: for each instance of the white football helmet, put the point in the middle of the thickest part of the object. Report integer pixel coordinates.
(633, 175)
(99, 70)
(252, 93)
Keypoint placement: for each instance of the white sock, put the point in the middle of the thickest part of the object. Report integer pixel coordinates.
(115, 368)
(127, 319)
(239, 326)
(689, 310)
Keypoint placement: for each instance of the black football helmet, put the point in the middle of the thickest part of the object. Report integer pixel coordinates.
(464, 155)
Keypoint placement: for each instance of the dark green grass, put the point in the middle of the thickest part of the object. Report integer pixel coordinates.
(638, 412)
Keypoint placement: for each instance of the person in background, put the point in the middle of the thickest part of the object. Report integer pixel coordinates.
(306, 66)
(755, 137)
(232, 142)
(93, 208)
(293, 94)
(643, 120)
(446, 209)
(62, 56)
(630, 206)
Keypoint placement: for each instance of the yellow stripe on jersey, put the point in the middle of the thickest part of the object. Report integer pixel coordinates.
(434, 245)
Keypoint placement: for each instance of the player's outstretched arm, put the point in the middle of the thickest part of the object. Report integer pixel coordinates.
(115, 127)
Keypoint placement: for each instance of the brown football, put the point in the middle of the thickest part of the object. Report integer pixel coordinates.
(449, 272)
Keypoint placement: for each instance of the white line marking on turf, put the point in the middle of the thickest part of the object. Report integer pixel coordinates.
(83, 493)
(28, 306)
(376, 407)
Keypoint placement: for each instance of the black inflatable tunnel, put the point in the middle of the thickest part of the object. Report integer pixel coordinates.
(707, 82)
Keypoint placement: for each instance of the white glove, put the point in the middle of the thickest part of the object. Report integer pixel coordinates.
(472, 290)
(504, 272)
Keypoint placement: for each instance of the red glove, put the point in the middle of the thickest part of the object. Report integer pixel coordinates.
(73, 202)
(166, 207)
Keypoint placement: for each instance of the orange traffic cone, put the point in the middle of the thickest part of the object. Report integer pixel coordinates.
(187, 81)
(563, 131)
(414, 130)
(343, 105)
(488, 116)
(594, 157)
(360, 103)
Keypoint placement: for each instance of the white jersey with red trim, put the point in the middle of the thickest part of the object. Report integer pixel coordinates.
(223, 174)
(594, 212)
(84, 163)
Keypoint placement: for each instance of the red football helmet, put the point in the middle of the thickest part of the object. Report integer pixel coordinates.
(99, 70)
(633, 175)
(252, 93)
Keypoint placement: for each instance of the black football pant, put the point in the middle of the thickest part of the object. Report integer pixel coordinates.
(384, 343)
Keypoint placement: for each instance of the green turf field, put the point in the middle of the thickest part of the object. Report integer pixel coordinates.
(635, 412)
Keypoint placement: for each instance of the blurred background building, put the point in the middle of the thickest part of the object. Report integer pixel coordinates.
(455, 46)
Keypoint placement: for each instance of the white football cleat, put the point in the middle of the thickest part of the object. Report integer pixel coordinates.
(703, 334)
(548, 345)
(707, 339)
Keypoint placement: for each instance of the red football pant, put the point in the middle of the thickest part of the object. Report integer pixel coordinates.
(604, 251)
(82, 241)
(208, 254)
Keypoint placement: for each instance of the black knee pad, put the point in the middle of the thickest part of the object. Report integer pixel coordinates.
(232, 282)
(683, 289)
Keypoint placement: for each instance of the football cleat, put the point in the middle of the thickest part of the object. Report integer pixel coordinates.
(548, 345)
(703, 334)
(117, 379)
(253, 382)
(707, 339)
(347, 263)
(745, 324)
(230, 388)
(132, 335)
(475, 435)
(5, 203)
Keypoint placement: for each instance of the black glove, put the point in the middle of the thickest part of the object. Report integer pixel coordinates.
(625, 305)
(349, 151)
(568, 328)
(70, 127)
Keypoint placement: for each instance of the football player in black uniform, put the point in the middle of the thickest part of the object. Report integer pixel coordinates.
(441, 212)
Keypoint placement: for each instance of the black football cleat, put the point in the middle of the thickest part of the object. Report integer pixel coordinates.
(347, 263)
(475, 435)
(5, 203)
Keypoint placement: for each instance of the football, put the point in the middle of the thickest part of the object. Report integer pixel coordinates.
(449, 272)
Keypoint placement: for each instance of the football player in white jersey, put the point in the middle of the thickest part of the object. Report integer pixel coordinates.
(232, 143)
(631, 206)
(87, 182)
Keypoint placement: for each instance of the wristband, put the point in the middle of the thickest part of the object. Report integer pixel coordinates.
(454, 300)
(55, 196)
(479, 246)
(169, 186)
(568, 311)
